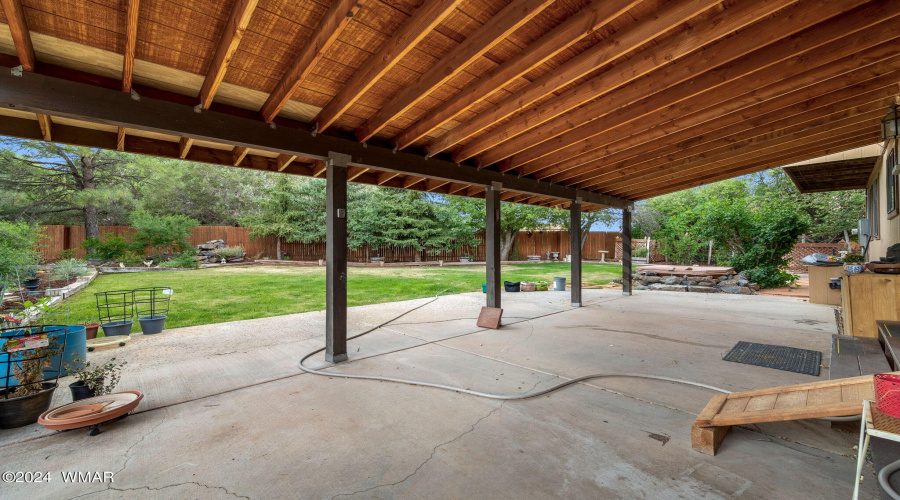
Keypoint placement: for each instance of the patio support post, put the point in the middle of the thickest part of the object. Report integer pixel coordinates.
(492, 244)
(626, 251)
(336, 258)
(575, 251)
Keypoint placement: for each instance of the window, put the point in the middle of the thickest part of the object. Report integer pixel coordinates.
(872, 208)
(893, 187)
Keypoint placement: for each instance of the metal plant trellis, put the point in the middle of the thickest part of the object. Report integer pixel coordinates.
(151, 307)
(115, 310)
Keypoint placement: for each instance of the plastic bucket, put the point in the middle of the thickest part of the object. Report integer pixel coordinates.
(484, 288)
(117, 328)
(76, 346)
(559, 284)
(151, 325)
(511, 286)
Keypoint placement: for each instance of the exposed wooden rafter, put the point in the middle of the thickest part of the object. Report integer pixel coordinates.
(574, 29)
(423, 20)
(283, 160)
(184, 145)
(18, 28)
(624, 41)
(329, 29)
(508, 20)
(238, 154)
(132, 13)
(228, 44)
(45, 125)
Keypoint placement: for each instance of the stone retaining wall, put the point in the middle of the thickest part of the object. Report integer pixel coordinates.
(731, 283)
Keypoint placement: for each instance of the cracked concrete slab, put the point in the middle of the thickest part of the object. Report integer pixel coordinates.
(307, 436)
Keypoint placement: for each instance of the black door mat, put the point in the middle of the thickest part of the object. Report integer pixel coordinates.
(779, 357)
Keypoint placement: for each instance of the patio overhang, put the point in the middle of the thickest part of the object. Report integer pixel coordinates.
(838, 172)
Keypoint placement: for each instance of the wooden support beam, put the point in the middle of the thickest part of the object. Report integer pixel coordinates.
(283, 160)
(658, 171)
(423, 20)
(432, 184)
(801, 142)
(596, 117)
(238, 154)
(336, 259)
(800, 154)
(411, 180)
(46, 125)
(504, 23)
(120, 139)
(354, 172)
(457, 188)
(659, 57)
(184, 145)
(57, 97)
(625, 40)
(572, 30)
(319, 168)
(869, 104)
(385, 176)
(492, 233)
(829, 81)
(329, 29)
(227, 46)
(132, 14)
(575, 251)
(18, 28)
(626, 251)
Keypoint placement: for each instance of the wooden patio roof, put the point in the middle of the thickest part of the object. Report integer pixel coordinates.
(610, 101)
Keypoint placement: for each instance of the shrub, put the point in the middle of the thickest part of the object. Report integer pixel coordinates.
(111, 248)
(229, 252)
(166, 234)
(17, 243)
(640, 252)
(186, 260)
(132, 259)
(68, 269)
(853, 258)
(67, 254)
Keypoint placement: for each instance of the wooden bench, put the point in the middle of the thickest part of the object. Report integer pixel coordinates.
(831, 398)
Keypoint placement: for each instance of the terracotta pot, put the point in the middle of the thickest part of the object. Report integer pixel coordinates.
(90, 329)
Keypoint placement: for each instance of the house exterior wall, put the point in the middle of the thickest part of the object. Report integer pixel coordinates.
(888, 222)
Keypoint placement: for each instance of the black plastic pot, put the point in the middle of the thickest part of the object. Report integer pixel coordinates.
(152, 325)
(17, 412)
(32, 284)
(117, 328)
(80, 390)
(510, 286)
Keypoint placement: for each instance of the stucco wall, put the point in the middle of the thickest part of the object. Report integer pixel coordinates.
(890, 228)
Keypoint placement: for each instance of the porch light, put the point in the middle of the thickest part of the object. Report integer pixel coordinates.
(890, 126)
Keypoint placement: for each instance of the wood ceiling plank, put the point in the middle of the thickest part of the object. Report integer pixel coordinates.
(283, 160)
(511, 18)
(658, 57)
(225, 49)
(329, 29)
(422, 22)
(748, 167)
(682, 121)
(571, 31)
(624, 41)
(18, 28)
(857, 37)
(829, 108)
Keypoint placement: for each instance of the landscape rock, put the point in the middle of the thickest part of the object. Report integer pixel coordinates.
(640, 287)
(728, 283)
(703, 289)
(671, 280)
(667, 288)
(743, 282)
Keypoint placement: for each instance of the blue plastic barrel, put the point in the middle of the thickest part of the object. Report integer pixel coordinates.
(75, 339)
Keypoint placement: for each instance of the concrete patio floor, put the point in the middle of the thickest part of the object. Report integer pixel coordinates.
(227, 413)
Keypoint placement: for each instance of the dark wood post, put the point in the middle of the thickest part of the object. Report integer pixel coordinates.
(626, 251)
(336, 258)
(492, 245)
(575, 252)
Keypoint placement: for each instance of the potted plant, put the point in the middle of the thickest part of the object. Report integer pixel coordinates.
(30, 278)
(465, 258)
(90, 330)
(854, 263)
(22, 403)
(93, 380)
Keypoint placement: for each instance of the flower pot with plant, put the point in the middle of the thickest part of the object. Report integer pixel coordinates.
(24, 396)
(94, 380)
(465, 258)
(854, 263)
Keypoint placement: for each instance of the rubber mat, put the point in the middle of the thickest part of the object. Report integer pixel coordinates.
(789, 359)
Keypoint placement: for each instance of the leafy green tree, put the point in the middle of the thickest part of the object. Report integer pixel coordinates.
(287, 213)
(17, 244)
(56, 180)
(212, 194)
(169, 234)
(514, 217)
(563, 218)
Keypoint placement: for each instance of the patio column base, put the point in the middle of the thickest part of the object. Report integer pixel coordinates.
(336, 358)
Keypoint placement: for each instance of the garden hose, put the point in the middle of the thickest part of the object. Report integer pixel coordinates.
(506, 397)
(884, 477)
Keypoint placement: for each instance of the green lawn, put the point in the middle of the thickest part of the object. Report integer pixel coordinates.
(235, 293)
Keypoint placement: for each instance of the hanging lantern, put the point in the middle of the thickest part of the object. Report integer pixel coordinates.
(890, 127)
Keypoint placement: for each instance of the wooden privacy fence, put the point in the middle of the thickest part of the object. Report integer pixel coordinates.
(59, 238)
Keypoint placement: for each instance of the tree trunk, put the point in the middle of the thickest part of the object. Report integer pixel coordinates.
(419, 255)
(278, 248)
(847, 240)
(509, 239)
(91, 217)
